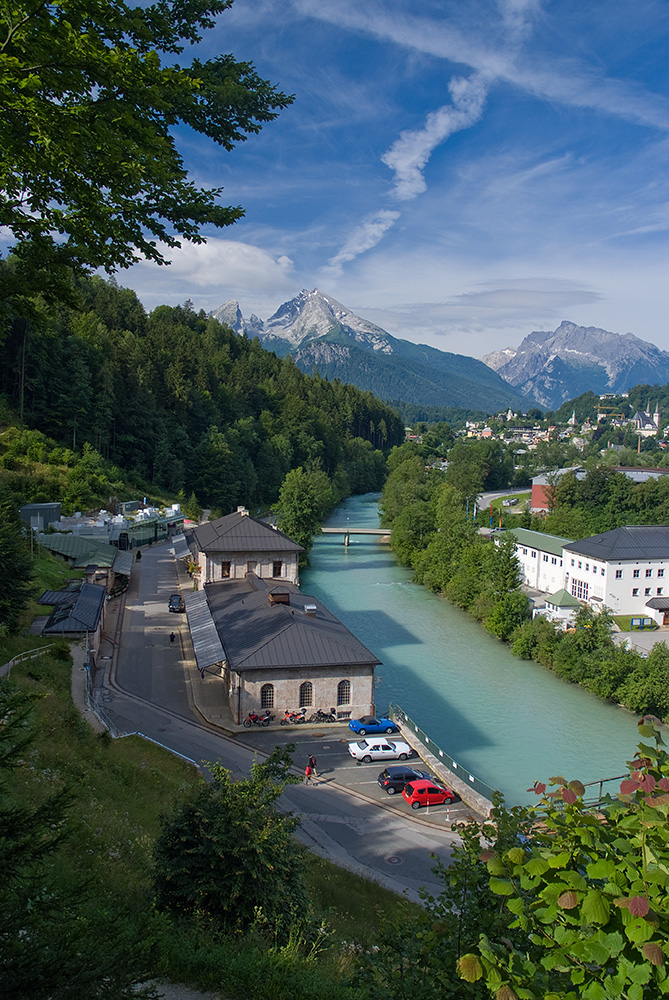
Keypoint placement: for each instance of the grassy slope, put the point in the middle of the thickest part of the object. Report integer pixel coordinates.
(120, 789)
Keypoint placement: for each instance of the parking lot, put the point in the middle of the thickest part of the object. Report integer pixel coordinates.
(329, 745)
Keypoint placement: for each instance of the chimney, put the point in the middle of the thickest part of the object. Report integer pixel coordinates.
(243, 511)
(310, 609)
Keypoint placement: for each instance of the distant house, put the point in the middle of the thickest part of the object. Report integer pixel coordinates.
(272, 646)
(232, 546)
(647, 424)
(542, 486)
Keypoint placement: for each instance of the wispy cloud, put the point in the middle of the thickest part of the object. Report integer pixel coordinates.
(367, 235)
(409, 154)
(495, 55)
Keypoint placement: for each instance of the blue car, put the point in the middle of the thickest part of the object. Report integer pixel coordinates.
(370, 724)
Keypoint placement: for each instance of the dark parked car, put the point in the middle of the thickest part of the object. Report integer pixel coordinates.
(176, 603)
(394, 778)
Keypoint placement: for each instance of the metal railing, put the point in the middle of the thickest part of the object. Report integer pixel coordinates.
(30, 654)
(462, 772)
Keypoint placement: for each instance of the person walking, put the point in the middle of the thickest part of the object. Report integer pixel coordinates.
(312, 764)
(307, 774)
(172, 638)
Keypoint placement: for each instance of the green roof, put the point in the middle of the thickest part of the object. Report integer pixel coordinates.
(538, 540)
(563, 599)
(82, 550)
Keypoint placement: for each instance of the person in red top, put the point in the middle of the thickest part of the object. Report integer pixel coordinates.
(307, 774)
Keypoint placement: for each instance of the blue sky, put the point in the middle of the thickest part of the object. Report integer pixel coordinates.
(461, 172)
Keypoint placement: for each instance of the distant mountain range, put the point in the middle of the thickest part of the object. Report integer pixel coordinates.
(320, 333)
(556, 366)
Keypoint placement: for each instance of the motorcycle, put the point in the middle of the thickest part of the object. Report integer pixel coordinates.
(321, 716)
(254, 719)
(291, 718)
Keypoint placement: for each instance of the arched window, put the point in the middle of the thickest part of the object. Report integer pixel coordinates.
(344, 693)
(267, 696)
(306, 695)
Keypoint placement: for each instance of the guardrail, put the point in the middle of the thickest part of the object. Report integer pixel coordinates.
(462, 772)
(30, 654)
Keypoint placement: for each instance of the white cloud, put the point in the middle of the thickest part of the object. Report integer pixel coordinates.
(409, 154)
(212, 272)
(367, 235)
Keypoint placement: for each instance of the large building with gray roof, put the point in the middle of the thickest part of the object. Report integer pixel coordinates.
(237, 544)
(273, 646)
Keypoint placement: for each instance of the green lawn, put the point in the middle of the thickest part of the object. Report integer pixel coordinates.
(624, 623)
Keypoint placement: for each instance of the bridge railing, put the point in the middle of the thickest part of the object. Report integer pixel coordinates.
(462, 772)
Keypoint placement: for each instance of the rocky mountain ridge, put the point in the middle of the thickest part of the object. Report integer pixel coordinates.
(323, 334)
(553, 366)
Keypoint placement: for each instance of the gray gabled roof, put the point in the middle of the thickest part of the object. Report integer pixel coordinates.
(241, 533)
(258, 635)
(79, 614)
(637, 541)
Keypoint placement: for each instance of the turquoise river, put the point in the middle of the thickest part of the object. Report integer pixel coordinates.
(509, 721)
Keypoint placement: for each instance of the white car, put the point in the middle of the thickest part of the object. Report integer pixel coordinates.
(379, 748)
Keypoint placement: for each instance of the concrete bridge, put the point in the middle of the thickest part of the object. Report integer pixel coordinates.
(347, 532)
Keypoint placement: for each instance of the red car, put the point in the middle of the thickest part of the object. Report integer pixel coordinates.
(426, 793)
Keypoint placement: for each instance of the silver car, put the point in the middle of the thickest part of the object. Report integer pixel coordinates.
(379, 748)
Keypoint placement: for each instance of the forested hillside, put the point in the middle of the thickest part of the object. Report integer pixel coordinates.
(178, 401)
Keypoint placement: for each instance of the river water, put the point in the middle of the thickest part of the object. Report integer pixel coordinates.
(509, 721)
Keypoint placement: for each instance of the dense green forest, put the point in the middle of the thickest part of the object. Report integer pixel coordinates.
(176, 401)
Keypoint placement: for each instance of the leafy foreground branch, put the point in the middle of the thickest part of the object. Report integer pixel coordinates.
(586, 897)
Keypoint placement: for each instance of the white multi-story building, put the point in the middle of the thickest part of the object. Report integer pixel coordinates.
(540, 558)
(626, 569)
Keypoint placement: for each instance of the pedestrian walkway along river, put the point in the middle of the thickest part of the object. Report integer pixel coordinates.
(509, 721)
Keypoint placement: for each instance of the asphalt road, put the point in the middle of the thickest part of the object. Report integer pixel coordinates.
(145, 686)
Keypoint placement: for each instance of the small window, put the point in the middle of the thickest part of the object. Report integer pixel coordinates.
(587, 566)
(660, 572)
(649, 572)
(267, 696)
(635, 573)
(579, 564)
(647, 591)
(603, 574)
(225, 569)
(572, 562)
(619, 574)
(524, 552)
(635, 592)
(277, 568)
(344, 693)
(306, 695)
(545, 558)
(554, 560)
(534, 555)
(658, 591)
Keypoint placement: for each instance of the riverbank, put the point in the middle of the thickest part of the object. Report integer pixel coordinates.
(509, 721)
